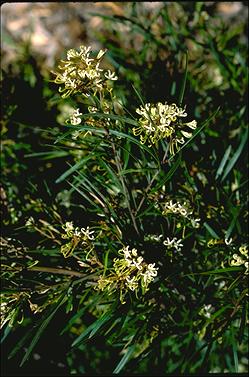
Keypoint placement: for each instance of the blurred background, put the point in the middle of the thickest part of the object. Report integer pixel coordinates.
(50, 28)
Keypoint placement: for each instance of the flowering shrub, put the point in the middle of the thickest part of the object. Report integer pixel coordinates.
(128, 248)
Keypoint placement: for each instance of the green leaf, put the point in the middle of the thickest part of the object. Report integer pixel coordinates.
(183, 87)
(138, 95)
(111, 174)
(223, 161)
(111, 116)
(42, 327)
(199, 129)
(236, 155)
(242, 324)
(124, 359)
(218, 271)
(168, 176)
(233, 222)
(211, 231)
(20, 344)
(7, 330)
(73, 168)
(92, 329)
(48, 155)
(126, 154)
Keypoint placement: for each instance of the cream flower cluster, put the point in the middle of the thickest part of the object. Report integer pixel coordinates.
(182, 210)
(135, 269)
(82, 73)
(83, 236)
(83, 233)
(130, 272)
(241, 259)
(162, 121)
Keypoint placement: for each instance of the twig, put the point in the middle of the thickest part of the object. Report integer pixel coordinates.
(60, 271)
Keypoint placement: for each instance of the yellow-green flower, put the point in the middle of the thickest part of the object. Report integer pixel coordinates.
(81, 73)
(162, 121)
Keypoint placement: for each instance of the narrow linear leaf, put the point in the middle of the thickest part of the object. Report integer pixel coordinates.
(242, 324)
(20, 344)
(48, 155)
(111, 116)
(124, 359)
(183, 87)
(218, 271)
(223, 162)
(92, 329)
(138, 95)
(43, 326)
(235, 358)
(7, 330)
(111, 173)
(73, 168)
(197, 131)
(211, 231)
(233, 222)
(236, 155)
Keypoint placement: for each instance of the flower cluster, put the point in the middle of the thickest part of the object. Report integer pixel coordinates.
(162, 121)
(130, 272)
(82, 73)
(83, 236)
(182, 210)
(241, 259)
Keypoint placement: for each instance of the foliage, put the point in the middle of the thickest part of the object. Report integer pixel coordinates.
(137, 243)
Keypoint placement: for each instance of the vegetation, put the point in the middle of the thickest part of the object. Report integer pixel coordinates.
(124, 200)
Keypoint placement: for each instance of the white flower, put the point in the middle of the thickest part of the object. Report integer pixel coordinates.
(110, 75)
(30, 222)
(131, 283)
(101, 53)
(68, 227)
(243, 250)
(228, 241)
(174, 243)
(192, 124)
(75, 117)
(87, 233)
(181, 209)
(82, 73)
(152, 269)
(195, 223)
(207, 310)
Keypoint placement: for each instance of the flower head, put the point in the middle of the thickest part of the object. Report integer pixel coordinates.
(82, 73)
(241, 259)
(162, 121)
(76, 236)
(130, 273)
(182, 210)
